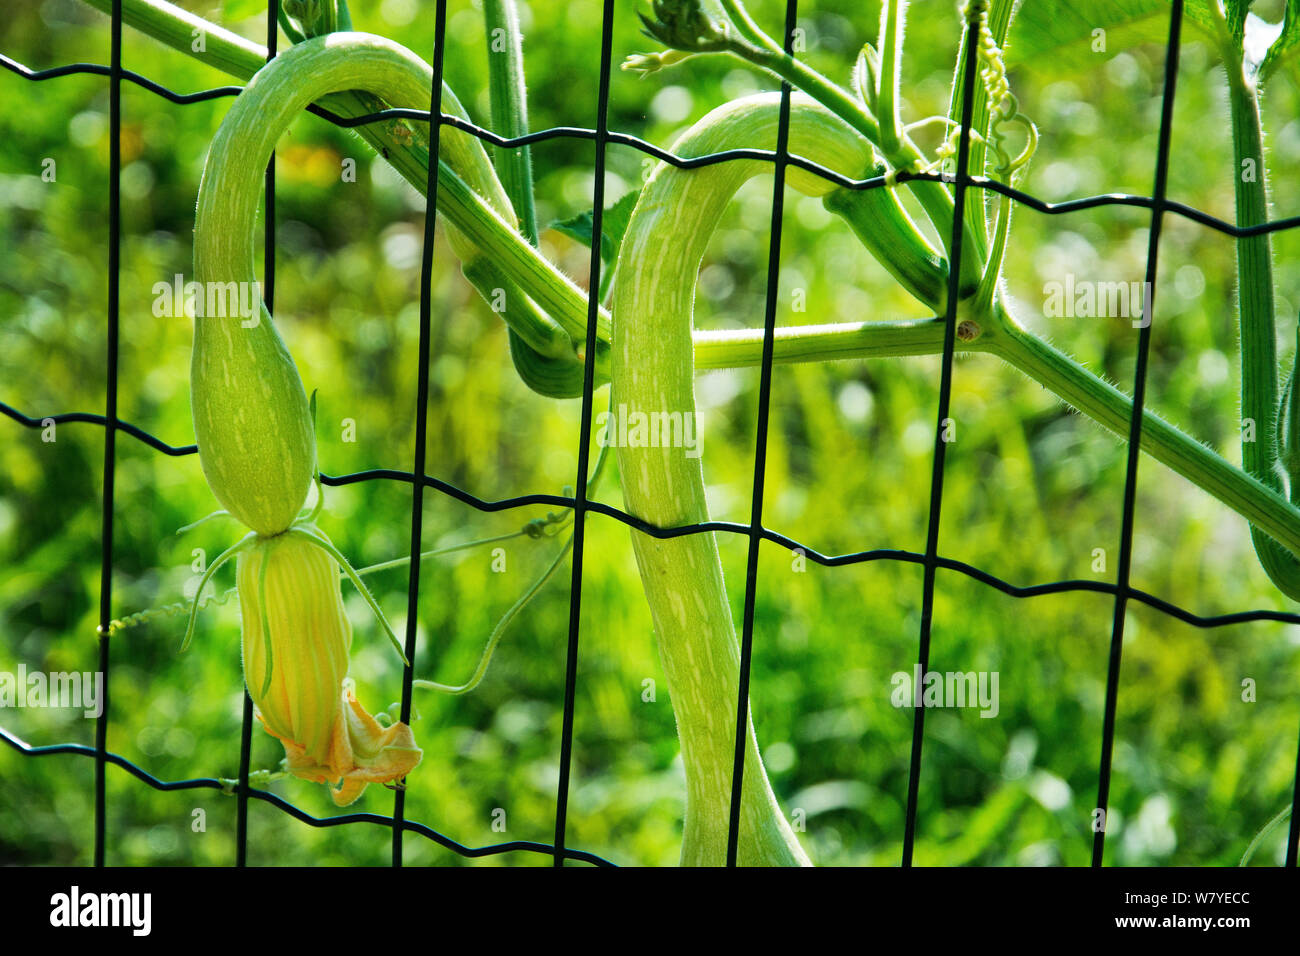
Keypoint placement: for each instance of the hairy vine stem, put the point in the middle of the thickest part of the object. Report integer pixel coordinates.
(1255, 305)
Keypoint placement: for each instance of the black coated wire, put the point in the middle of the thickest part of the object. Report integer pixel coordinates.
(490, 505)
(268, 269)
(110, 418)
(931, 560)
(760, 444)
(971, 60)
(580, 503)
(421, 408)
(211, 783)
(695, 162)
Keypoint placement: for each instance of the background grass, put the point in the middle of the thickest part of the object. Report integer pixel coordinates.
(1031, 490)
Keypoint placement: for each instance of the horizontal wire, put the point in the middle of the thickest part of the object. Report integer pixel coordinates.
(493, 506)
(96, 69)
(210, 783)
(693, 162)
(93, 419)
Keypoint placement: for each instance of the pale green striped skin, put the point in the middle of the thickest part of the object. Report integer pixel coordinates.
(653, 371)
(250, 409)
(254, 425)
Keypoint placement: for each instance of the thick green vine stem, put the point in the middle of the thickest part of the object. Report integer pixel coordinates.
(883, 226)
(554, 376)
(508, 93)
(653, 373)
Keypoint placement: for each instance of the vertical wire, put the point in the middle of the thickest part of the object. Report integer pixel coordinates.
(584, 443)
(972, 38)
(110, 416)
(421, 402)
(268, 269)
(1135, 433)
(760, 444)
(241, 795)
(1293, 835)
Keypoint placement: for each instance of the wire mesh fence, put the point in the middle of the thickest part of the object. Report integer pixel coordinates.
(1120, 589)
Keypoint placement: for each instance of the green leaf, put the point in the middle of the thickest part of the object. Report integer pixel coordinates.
(613, 225)
(579, 227)
(1067, 33)
(1287, 43)
(614, 222)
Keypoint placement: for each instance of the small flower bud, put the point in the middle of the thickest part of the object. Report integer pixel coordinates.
(686, 25)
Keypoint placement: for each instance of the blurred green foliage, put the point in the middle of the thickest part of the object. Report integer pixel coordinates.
(1031, 490)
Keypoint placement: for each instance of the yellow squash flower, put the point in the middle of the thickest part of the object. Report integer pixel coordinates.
(296, 639)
